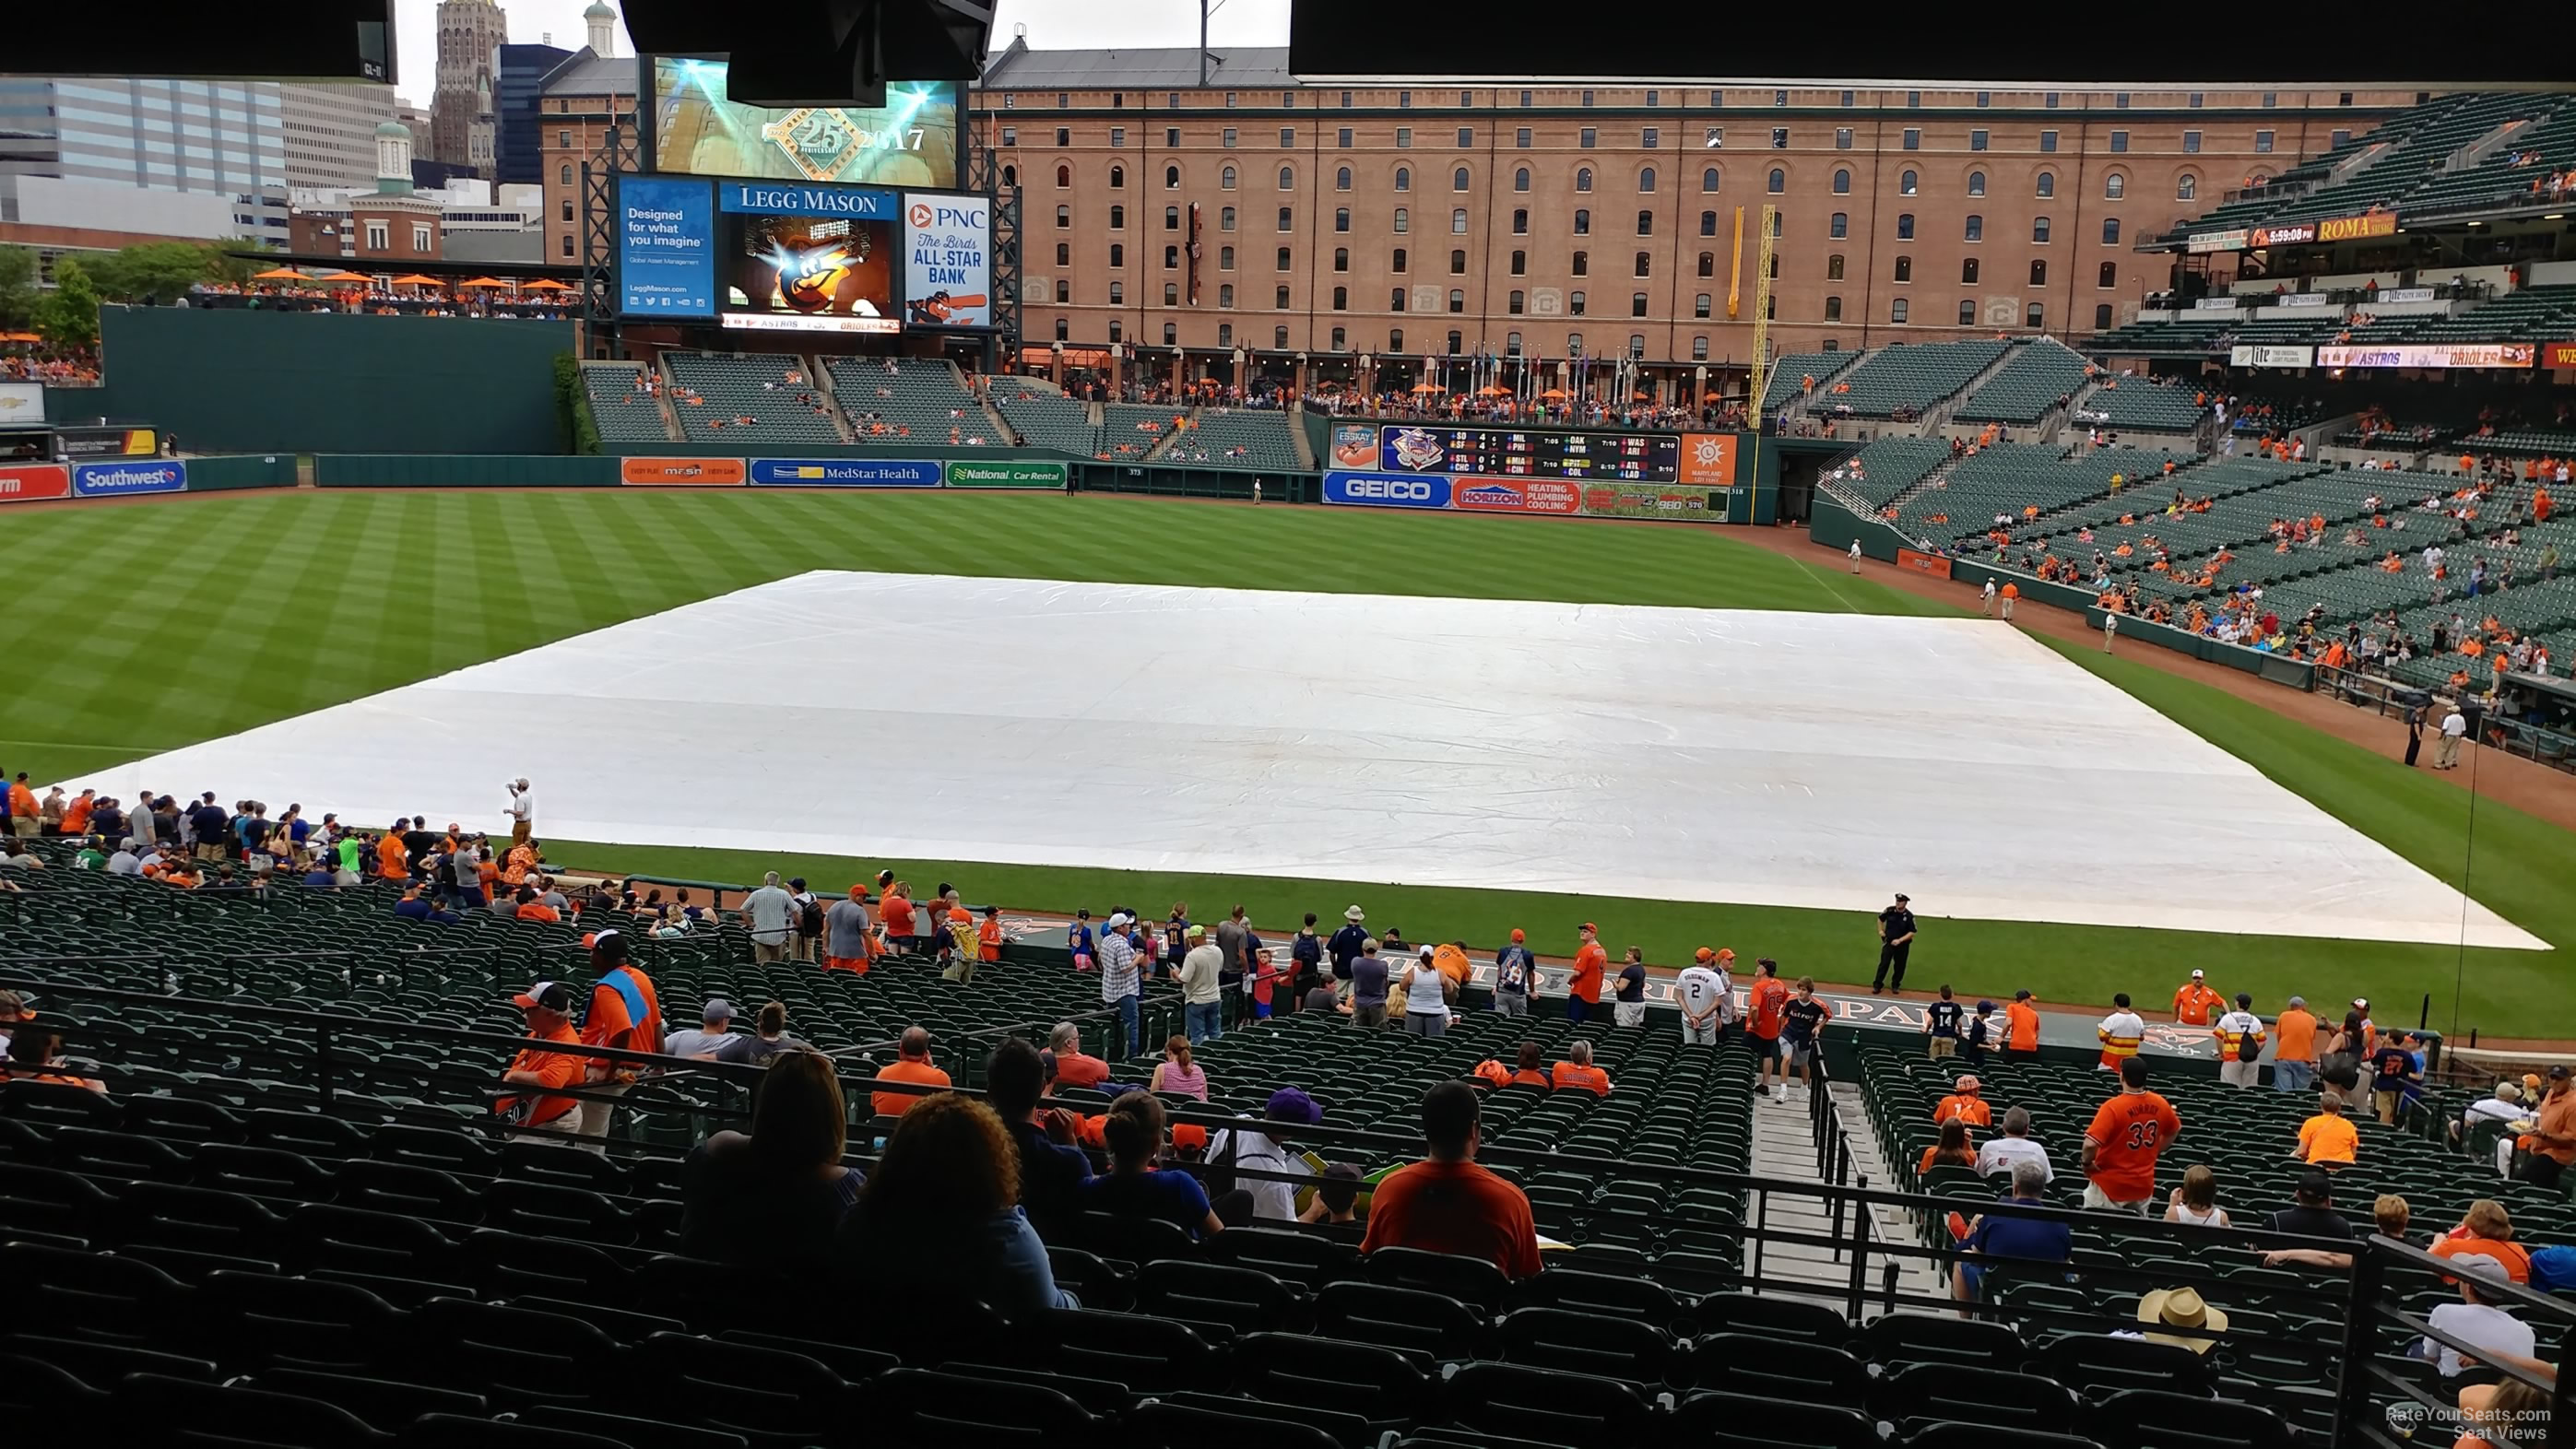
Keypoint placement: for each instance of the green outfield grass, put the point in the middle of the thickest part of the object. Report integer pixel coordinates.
(157, 625)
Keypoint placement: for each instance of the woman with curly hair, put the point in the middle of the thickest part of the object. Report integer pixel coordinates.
(939, 1218)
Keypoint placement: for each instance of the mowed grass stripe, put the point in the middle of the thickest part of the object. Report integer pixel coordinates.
(403, 586)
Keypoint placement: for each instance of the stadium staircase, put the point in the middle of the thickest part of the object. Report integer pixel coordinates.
(1939, 414)
(1806, 1140)
(1780, 388)
(624, 412)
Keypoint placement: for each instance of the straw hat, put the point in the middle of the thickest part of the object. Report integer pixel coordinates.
(2181, 1308)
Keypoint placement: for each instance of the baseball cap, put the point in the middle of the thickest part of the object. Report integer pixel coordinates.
(1426, 953)
(2197, 973)
(1596, 930)
(1517, 937)
(1291, 1105)
(549, 994)
(718, 1009)
(2360, 1003)
(1119, 918)
(1195, 931)
(2023, 995)
(2481, 1266)
(1985, 1006)
(1703, 954)
(2558, 1073)
(1969, 1083)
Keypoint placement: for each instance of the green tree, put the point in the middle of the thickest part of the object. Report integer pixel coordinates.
(155, 271)
(19, 294)
(69, 316)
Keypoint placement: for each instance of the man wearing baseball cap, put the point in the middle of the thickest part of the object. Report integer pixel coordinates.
(1515, 975)
(1120, 984)
(1706, 997)
(1895, 943)
(2476, 1320)
(548, 1009)
(1583, 989)
(2194, 1001)
(713, 1039)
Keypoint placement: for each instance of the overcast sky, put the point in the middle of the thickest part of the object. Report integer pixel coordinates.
(1053, 25)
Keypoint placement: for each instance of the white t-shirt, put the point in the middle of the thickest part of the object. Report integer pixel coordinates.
(2125, 1025)
(2453, 725)
(1699, 990)
(523, 806)
(2497, 1108)
(2476, 1323)
(2000, 1153)
(1271, 1201)
(1422, 991)
(2239, 1023)
(725, 1046)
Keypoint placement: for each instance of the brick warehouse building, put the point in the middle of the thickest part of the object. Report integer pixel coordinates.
(1367, 227)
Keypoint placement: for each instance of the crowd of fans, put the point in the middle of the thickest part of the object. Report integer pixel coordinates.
(52, 366)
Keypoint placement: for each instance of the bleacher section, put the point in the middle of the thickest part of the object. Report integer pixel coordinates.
(2011, 478)
(2030, 385)
(1889, 466)
(1045, 417)
(2498, 180)
(747, 401)
(2439, 129)
(913, 399)
(1790, 372)
(1908, 377)
(1129, 431)
(624, 411)
(2244, 1136)
(1237, 438)
(2136, 404)
(2185, 336)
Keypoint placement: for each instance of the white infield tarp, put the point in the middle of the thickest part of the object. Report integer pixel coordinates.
(1821, 760)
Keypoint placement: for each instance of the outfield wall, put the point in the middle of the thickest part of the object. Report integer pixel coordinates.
(110, 478)
(230, 380)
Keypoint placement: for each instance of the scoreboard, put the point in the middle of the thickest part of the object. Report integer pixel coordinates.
(1491, 452)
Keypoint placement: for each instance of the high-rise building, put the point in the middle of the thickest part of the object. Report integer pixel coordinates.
(331, 131)
(144, 157)
(462, 116)
(581, 103)
(525, 70)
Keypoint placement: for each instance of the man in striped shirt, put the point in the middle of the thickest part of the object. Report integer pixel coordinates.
(1120, 984)
(2120, 1033)
(2240, 1043)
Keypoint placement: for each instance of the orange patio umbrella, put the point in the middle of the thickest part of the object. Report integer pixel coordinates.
(279, 274)
(481, 282)
(547, 284)
(1489, 390)
(1428, 387)
(417, 280)
(1554, 392)
(358, 277)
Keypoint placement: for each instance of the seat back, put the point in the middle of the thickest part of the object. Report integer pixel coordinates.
(1587, 1343)
(1472, 1281)
(1925, 1393)
(1742, 1363)
(1721, 1420)
(1773, 1317)
(1548, 1406)
(925, 1409)
(1432, 1323)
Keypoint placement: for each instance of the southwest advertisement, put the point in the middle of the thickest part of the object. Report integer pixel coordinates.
(666, 247)
(120, 480)
(947, 261)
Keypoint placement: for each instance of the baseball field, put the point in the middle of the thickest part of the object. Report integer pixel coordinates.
(138, 630)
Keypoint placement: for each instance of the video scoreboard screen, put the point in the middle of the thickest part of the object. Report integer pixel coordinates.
(1497, 452)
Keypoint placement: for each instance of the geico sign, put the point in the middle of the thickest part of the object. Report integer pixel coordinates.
(1409, 489)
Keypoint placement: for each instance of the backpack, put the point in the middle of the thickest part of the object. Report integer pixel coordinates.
(809, 918)
(2249, 1046)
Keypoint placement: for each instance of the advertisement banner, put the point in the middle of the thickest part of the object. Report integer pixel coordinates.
(2244, 356)
(681, 472)
(1520, 495)
(2214, 304)
(666, 247)
(947, 261)
(22, 402)
(31, 482)
(774, 198)
(2562, 354)
(1387, 490)
(2302, 299)
(1707, 459)
(2427, 354)
(1011, 473)
(1925, 563)
(697, 127)
(109, 442)
(1354, 445)
(846, 472)
(2388, 295)
(116, 480)
(2216, 241)
(2277, 236)
(2358, 228)
(1649, 500)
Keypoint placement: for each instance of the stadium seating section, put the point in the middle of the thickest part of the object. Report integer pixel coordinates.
(2028, 387)
(748, 401)
(911, 399)
(2244, 1137)
(2136, 404)
(1237, 438)
(1790, 372)
(1130, 431)
(1045, 417)
(624, 411)
(1911, 377)
(1881, 471)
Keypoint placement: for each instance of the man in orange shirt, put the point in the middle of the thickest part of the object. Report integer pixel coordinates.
(2127, 1134)
(77, 811)
(1583, 989)
(912, 1066)
(2010, 593)
(1578, 1072)
(393, 862)
(2294, 1047)
(2194, 1001)
(1074, 1067)
(2552, 1140)
(1448, 1204)
(988, 936)
(2328, 1139)
(2021, 1026)
(548, 1008)
(24, 817)
(1967, 1103)
(533, 909)
(1764, 1004)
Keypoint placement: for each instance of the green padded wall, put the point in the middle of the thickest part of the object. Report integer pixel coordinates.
(255, 382)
